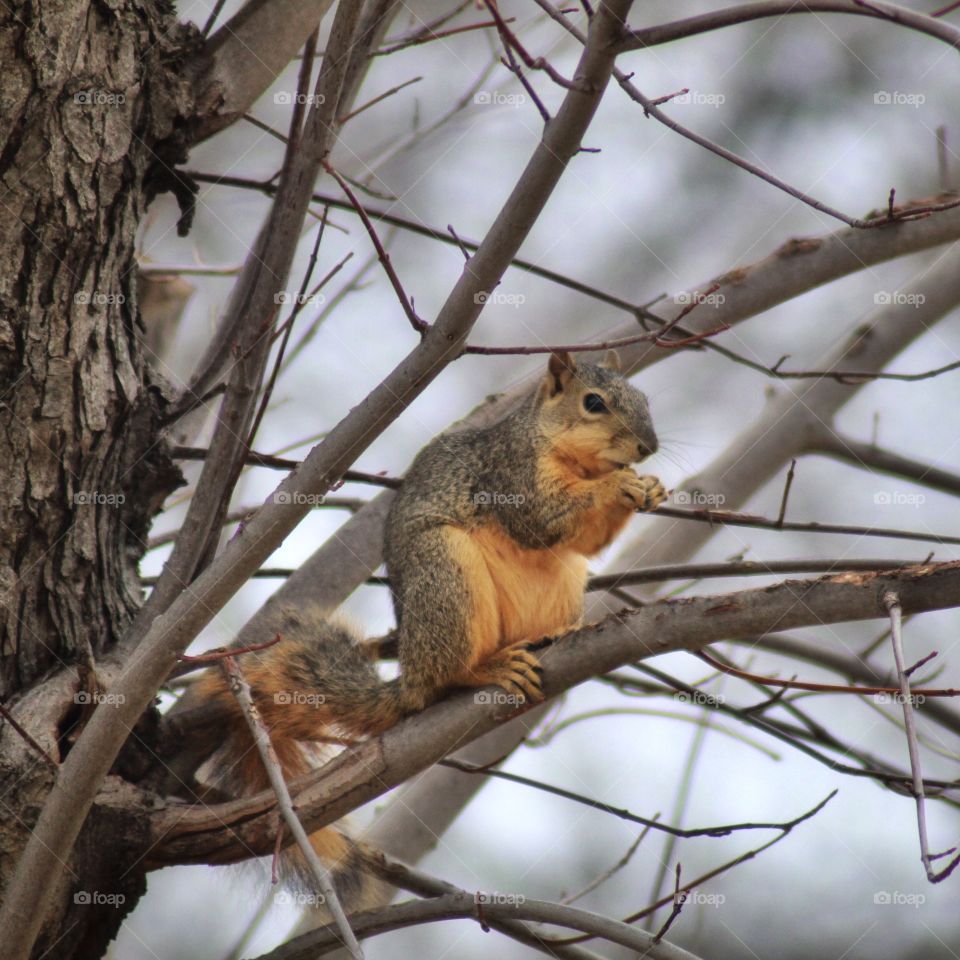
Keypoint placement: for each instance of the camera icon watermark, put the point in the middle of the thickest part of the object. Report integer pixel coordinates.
(895, 898)
(283, 299)
(499, 299)
(698, 498)
(897, 697)
(483, 897)
(298, 498)
(699, 698)
(897, 498)
(499, 697)
(285, 98)
(896, 98)
(94, 898)
(884, 298)
(488, 498)
(99, 98)
(298, 698)
(687, 297)
(98, 498)
(98, 299)
(298, 898)
(700, 98)
(88, 698)
(494, 98)
(715, 900)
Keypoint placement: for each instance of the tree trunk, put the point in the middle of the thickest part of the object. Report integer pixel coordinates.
(92, 98)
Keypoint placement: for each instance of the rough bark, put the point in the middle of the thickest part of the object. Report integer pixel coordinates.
(90, 100)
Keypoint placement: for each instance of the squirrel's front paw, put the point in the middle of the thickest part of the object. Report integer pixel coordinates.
(642, 493)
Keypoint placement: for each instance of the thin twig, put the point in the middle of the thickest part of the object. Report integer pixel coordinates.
(717, 871)
(679, 899)
(383, 96)
(656, 337)
(823, 687)
(26, 737)
(439, 35)
(221, 653)
(731, 519)
(611, 871)
(261, 737)
(532, 63)
(723, 830)
(419, 325)
(786, 493)
(891, 603)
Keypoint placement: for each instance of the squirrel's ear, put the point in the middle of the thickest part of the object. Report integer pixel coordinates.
(612, 361)
(560, 371)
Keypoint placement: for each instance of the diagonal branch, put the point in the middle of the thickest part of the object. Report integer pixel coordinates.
(716, 19)
(244, 57)
(230, 832)
(891, 601)
(261, 738)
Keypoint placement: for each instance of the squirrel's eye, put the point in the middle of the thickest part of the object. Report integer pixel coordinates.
(594, 403)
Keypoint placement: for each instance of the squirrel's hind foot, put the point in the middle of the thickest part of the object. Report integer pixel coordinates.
(515, 669)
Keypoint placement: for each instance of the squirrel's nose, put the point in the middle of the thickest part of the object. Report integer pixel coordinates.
(644, 450)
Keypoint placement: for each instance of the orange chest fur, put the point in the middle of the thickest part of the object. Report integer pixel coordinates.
(517, 594)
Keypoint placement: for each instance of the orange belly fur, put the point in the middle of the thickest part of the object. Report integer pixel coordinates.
(516, 594)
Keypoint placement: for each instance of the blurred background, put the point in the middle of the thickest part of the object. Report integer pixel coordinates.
(650, 214)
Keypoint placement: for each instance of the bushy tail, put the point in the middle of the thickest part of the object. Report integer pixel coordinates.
(316, 686)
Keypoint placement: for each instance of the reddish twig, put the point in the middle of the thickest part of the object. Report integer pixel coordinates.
(419, 325)
(437, 35)
(819, 687)
(532, 63)
(221, 653)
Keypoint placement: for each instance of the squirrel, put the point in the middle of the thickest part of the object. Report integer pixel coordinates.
(486, 550)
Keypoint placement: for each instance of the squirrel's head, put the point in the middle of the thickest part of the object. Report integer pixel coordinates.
(592, 415)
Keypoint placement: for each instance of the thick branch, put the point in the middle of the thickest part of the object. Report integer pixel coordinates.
(479, 907)
(247, 54)
(877, 459)
(229, 832)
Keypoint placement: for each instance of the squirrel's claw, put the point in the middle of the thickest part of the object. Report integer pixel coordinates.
(516, 670)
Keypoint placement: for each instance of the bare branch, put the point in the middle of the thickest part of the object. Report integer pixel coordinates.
(868, 455)
(730, 519)
(248, 53)
(231, 831)
(819, 687)
(418, 325)
(482, 907)
(261, 738)
(891, 602)
(668, 32)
